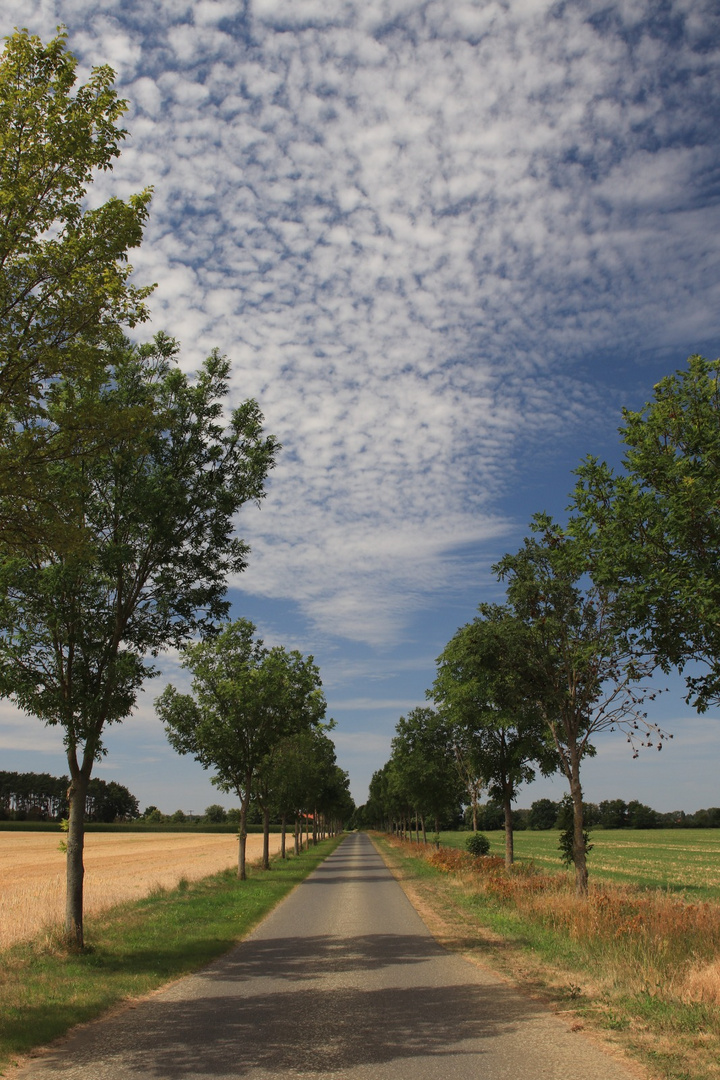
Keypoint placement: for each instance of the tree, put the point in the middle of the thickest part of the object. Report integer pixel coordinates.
(301, 775)
(422, 769)
(580, 671)
(155, 512)
(655, 527)
(543, 814)
(110, 802)
(64, 276)
(497, 730)
(245, 699)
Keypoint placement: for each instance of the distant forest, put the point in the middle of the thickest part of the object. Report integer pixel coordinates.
(609, 814)
(41, 797)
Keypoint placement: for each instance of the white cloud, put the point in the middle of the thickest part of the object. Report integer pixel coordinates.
(405, 223)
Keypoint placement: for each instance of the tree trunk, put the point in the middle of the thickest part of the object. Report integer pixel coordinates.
(579, 850)
(297, 836)
(422, 819)
(242, 832)
(75, 870)
(509, 850)
(266, 839)
(283, 854)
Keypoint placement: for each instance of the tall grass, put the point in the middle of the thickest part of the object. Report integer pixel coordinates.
(648, 941)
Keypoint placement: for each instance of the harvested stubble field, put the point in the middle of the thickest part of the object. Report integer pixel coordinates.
(118, 867)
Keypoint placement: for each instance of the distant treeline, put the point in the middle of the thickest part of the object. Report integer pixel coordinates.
(610, 814)
(41, 797)
(38, 797)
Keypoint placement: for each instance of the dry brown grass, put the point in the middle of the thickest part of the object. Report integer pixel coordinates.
(645, 939)
(118, 867)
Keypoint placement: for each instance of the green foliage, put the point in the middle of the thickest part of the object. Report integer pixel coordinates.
(581, 670)
(41, 797)
(543, 814)
(477, 844)
(566, 841)
(245, 700)
(498, 732)
(655, 528)
(215, 814)
(64, 275)
(422, 775)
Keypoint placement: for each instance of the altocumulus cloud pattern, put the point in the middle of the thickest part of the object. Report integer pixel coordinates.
(417, 228)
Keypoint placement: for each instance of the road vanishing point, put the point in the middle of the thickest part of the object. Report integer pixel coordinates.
(342, 979)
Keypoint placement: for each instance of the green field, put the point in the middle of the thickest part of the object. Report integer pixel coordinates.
(681, 860)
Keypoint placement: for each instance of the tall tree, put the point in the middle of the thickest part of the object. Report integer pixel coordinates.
(156, 516)
(245, 699)
(64, 276)
(497, 731)
(579, 670)
(655, 527)
(427, 779)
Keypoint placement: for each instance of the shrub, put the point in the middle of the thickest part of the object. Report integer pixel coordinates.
(477, 844)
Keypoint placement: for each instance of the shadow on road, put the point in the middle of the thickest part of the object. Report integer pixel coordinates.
(308, 1031)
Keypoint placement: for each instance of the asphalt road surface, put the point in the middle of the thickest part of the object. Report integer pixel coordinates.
(343, 979)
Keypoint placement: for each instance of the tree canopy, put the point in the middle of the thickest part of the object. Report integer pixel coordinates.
(579, 670)
(498, 733)
(65, 279)
(655, 526)
(155, 512)
(245, 699)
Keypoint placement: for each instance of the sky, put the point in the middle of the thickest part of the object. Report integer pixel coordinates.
(442, 243)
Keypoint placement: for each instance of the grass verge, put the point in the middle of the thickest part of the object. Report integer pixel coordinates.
(642, 970)
(133, 949)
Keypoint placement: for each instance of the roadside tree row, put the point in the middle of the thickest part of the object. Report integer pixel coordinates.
(594, 609)
(255, 718)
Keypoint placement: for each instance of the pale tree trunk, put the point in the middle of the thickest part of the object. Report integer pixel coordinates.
(509, 848)
(75, 870)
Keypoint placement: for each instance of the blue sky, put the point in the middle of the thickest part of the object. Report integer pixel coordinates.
(442, 243)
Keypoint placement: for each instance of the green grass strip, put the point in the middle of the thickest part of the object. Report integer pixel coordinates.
(135, 948)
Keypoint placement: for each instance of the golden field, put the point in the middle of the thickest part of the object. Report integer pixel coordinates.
(118, 867)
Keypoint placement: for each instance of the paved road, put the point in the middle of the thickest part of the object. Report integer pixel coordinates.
(341, 980)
